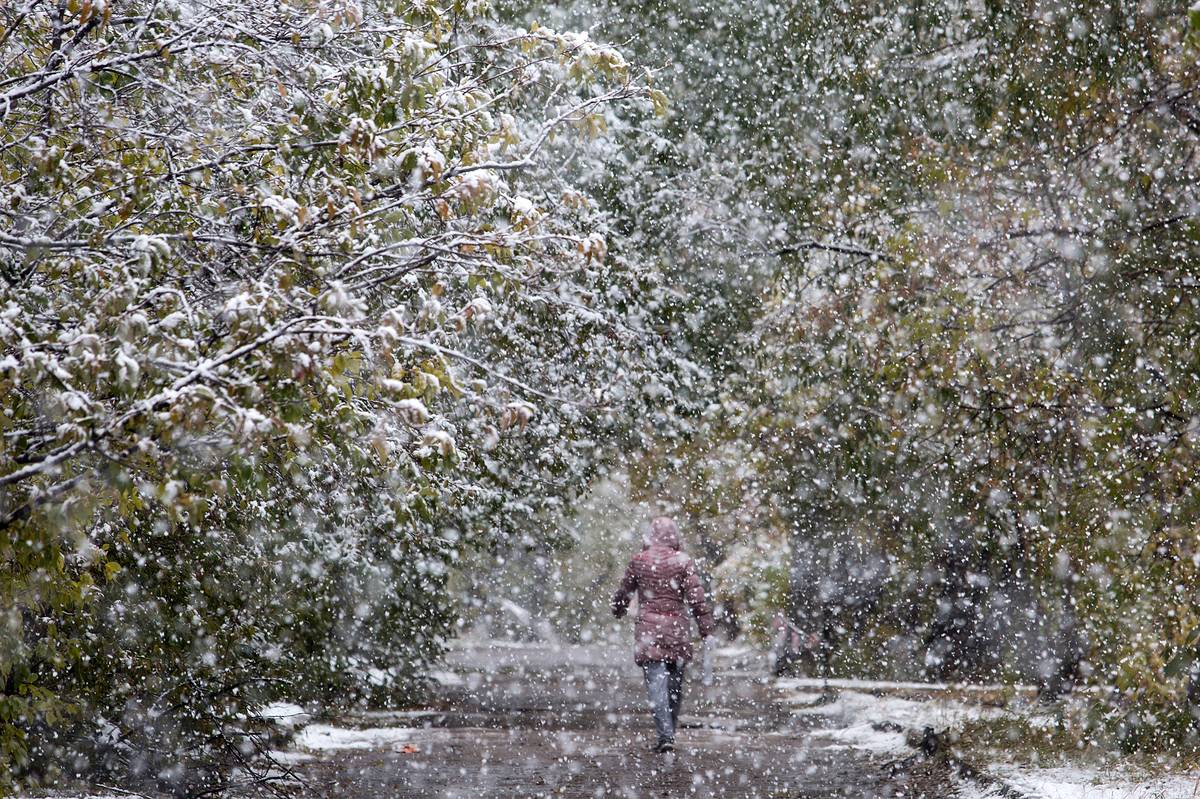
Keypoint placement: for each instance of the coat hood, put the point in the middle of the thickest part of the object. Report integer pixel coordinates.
(662, 533)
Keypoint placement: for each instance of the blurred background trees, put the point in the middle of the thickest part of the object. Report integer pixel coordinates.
(940, 262)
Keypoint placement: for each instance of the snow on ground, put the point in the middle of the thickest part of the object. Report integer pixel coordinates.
(319, 737)
(285, 714)
(448, 678)
(816, 683)
(287, 757)
(1080, 783)
(863, 720)
(865, 737)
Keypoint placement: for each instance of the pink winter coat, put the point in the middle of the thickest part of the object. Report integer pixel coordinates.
(665, 580)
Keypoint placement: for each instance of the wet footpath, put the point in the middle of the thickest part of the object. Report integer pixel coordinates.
(512, 721)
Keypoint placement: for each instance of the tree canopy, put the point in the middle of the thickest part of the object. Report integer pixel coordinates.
(297, 304)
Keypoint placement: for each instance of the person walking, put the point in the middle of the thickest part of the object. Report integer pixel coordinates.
(666, 584)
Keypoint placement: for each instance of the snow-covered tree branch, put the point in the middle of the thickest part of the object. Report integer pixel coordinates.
(260, 261)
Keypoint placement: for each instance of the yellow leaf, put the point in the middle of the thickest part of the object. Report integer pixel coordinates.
(111, 568)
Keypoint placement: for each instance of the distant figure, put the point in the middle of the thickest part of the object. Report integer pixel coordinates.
(795, 653)
(665, 581)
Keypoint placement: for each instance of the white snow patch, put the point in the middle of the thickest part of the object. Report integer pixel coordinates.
(449, 678)
(879, 724)
(796, 683)
(866, 738)
(285, 714)
(322, 737)
(852, 707)
(1082, 783)
(522, 615)
(289, 757)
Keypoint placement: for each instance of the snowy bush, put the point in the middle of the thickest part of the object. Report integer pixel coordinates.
(279, 334)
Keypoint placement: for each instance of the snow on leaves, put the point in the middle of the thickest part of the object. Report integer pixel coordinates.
(278, 286)
(245, 197)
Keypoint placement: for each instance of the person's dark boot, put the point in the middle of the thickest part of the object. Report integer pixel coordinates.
(664, 746)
